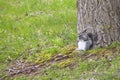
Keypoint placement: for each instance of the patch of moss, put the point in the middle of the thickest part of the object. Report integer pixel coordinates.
(114, 45)
(65, 63)
(43, 57)
(67, 49)
(39, 58)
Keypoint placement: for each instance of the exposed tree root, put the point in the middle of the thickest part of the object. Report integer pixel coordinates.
(22, 67)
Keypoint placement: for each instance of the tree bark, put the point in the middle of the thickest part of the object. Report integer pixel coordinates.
(101, 18)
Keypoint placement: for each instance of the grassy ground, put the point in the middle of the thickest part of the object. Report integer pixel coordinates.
(43, 32)
(35, 25)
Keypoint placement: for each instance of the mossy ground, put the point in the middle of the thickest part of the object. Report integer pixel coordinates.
(38, 42)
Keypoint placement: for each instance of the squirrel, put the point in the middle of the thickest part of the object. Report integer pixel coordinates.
(86, 41)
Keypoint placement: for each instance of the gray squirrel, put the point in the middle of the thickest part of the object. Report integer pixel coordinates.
(86, 41)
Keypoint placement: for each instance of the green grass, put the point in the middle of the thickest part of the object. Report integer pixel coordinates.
(35, 30)
(36, 25)
(29, 27)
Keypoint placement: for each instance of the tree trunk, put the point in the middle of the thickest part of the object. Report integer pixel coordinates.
(101, 18)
